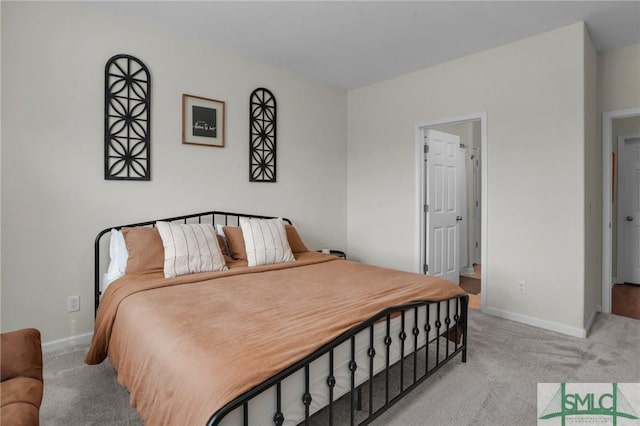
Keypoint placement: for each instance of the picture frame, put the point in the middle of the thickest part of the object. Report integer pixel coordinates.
(203, 121)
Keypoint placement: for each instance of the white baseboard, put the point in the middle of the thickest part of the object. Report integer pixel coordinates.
(68, 342)
(537, 322)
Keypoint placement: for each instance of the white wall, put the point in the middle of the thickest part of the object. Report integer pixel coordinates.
(593, 187)
(533, 93)
(54, 196)
(618, 81)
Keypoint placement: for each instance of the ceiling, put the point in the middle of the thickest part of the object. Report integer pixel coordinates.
(354, 44)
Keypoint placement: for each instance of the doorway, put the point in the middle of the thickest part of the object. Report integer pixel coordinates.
(451, 202)
(619, 242)
(627, 204)
(625, 293)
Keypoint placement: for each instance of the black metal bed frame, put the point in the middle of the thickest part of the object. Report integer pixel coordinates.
(453, 330)
(227, 218)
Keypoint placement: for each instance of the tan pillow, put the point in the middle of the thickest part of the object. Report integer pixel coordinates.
(223, 248)
(295, 242)
(235, 242)
(146, 252)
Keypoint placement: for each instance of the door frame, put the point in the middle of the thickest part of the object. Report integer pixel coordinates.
(420, 224)
(477, 226)
(607, 240)
(621, 141)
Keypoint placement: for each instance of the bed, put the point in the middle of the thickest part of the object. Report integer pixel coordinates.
(319, 339)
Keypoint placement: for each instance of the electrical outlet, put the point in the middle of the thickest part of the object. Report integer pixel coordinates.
(522, 287)
(73, 303)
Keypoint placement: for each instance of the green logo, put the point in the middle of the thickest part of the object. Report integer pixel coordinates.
(584, 401)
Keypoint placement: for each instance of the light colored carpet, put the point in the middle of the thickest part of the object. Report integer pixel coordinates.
(497, 385)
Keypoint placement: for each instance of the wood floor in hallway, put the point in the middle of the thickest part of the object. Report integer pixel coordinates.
(625, 300)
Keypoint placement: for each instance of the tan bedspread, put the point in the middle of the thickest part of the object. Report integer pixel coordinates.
(194, 343)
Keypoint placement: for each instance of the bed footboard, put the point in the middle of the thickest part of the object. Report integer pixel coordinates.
(384, 358)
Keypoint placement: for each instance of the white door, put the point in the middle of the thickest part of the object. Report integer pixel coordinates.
(443, 212)
(629, 211)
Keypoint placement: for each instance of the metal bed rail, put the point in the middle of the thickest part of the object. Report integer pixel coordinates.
(433, 353)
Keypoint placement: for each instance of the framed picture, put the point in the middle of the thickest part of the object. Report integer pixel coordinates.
(202, 121)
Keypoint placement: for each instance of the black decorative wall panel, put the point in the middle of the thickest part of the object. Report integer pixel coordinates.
(127, 113)
(262, 138)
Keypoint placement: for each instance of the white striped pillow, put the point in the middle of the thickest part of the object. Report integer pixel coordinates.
(265, 241)
(190, 248)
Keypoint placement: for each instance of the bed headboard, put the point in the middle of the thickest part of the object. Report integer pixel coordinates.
(212, 217)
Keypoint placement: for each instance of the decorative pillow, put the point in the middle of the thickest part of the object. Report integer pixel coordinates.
(145, 249)
(222, 240)
(223, 248)
(265, 241)
(295, 242)
(235, 242)
(220, 230)
(118, 255)
(190, 248)
(236, 247)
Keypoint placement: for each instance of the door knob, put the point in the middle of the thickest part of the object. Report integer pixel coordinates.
(629, 218)
(458, 218)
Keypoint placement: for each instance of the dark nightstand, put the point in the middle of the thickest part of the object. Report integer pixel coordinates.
(338, 253)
